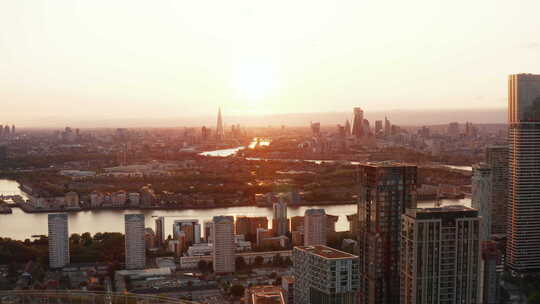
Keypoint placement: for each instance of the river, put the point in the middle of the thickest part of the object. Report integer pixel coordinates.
(20, 225)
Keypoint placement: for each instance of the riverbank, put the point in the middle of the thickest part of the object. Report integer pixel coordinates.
(27, 208)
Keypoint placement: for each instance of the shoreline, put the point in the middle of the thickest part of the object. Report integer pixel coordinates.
(25, 209)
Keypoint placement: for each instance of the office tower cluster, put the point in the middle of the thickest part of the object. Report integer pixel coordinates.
(6, 131)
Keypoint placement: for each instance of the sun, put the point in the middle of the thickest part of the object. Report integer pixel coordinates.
(254, 81)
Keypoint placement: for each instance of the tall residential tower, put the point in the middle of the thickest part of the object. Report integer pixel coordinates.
(386, 190)
(135, 244)
(58, 240)
(523, 230)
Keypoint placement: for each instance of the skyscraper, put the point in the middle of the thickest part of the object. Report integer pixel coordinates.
(497, 160)
(219, 128)
(440, 256)
(324, 275)
(348, 128)
(523, 230)
(314, 227)
(386, 191)
(481, 197)
(135, 244)
(387, 127)
(160, 230)
(223, 249)
(280, 222)
(358, 123)
(58, 240)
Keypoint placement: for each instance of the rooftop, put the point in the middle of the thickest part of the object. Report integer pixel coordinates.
(266, 295)
(326, 252)
(445, 211)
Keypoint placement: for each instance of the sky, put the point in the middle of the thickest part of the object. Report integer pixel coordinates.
(82, 60)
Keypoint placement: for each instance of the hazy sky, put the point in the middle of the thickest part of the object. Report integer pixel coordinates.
(108, 59)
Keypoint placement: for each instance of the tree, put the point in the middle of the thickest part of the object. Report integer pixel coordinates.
(86, 239)
(75, 238)
(202, 265)
(240, 263)
(237, 290)
(259, 260)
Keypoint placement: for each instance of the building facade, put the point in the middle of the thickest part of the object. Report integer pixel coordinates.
(58, 240)
(440, 256)
(280, 222)
(135, 242)
(324, 275)
(481, 197)
(523, 227)
(160, 230)
(315, 227)
(223, 249)
(386, 190)
(497, 160)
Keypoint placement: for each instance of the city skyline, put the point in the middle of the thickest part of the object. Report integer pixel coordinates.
(97, 69)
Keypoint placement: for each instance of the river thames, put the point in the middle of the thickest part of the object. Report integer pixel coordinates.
(21, 225)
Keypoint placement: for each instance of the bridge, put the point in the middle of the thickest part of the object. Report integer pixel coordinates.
(81, 297)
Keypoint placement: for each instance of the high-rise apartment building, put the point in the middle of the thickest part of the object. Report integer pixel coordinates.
(135, 243)
(386, 190)
(481, 197)
(248, 225)
(280, 222)
(523, 230)
(160, 230)
(358, 123)
(191, 228)
(223, 249)
(314, 227)
(440, 256)
(497, 160)
(58, 240)
(325, 275)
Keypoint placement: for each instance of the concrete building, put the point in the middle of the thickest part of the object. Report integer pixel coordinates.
(135, 242)
(268, 294)
(481, 197)
(280, 222)
(72, 199)
(248, 225)
(315, 227)
(208, 232)
(160, 230)
(386, 190)
(325, 275)
(440, 256)
(224, 249)
(191, 228)
(491, 257)
(523, 231)
(58, 240)
(497, 160)
(287, 284)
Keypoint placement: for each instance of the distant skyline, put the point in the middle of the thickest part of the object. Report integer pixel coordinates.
(327, 119)
(69, 61)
